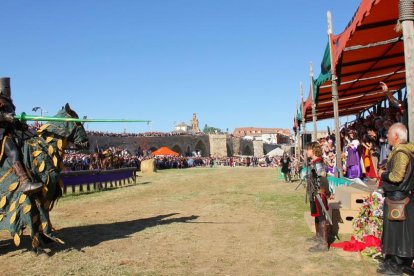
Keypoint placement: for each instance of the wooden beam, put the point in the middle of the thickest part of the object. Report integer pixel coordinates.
(406, 18)
(369, 60)
(398, 65)
(366, 88)
(373, 44)
(376, 25)
(361, 77)
(303, 121)
(335, 102)
(314, 117)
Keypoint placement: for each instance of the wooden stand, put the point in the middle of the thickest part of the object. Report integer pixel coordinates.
(343, 210)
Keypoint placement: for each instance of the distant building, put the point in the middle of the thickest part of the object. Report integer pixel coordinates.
(267, 135)
(193, 127)
(182, 127)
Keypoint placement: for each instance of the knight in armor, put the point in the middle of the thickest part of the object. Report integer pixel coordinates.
(318, 186)
(8, 126)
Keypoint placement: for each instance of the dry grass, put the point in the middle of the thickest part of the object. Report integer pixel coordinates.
(239, 221)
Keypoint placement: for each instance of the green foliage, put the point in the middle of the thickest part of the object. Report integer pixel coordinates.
(211, 130)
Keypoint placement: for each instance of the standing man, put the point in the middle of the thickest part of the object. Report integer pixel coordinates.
(318, 189)
(286, 167)
(398, 182)
(9, 147)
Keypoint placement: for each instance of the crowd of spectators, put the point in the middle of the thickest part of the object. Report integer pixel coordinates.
(110, 158)
(77, 161)
(364, 142)
(241, 161)
(116, 157)
(145, 134)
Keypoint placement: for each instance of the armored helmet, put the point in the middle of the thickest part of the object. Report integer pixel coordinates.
(5, 90)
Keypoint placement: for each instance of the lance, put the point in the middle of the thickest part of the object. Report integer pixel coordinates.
(24, 117)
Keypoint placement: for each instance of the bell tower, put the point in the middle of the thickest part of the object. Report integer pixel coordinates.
(195, 124)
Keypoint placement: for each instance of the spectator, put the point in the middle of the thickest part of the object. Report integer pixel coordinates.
(286, 167)
(398, 182)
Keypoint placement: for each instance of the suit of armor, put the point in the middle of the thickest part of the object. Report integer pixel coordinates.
(9, 147)
(319, 187)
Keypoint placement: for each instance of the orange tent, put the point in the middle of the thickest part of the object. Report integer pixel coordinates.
(369, 51)
(164, 151)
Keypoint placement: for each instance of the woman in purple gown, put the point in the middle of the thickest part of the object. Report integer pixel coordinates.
(353, 160)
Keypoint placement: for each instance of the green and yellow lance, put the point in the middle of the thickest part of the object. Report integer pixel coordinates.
(24, 117)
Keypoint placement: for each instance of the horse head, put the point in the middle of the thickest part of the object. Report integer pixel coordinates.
(67, 131)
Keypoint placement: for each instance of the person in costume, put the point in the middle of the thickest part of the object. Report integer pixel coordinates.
(318, 186)
(397, 242)
(330, 162)
(8, 126)
(367, 150)
(286, 167)
(353, 162)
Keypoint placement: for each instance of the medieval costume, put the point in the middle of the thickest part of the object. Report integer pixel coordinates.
(320, 187)
(8, 144)
(353, 161)
(330, 162)
(385, 148)
(367, 160)
(397, 241)
(286, 167)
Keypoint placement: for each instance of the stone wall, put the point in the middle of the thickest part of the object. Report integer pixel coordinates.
(181, 144)
(246, 147)
(216, 145)
(233, 145)
(258, 148)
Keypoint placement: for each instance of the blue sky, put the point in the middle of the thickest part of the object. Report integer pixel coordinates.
(233, 62)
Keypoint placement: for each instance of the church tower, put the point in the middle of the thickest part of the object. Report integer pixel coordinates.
(195, 124)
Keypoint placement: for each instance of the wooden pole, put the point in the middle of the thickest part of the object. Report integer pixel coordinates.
(335, 102)
(303, 122)
(303, 117)
(298, 133)
(314, 119)
(406, 18)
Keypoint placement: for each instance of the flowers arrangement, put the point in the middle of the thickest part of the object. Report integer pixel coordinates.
(368, 227)
(369, 221)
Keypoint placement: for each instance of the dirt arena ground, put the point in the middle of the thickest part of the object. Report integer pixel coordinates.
(220, 221)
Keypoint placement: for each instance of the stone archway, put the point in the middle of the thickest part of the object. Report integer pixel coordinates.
(247, 150)
(177, 149)
(230, 152)
(201, 149)
(188, 151)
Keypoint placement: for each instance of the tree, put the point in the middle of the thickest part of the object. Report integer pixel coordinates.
(211, 130)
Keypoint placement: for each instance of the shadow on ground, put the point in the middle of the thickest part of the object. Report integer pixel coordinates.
(79, 237)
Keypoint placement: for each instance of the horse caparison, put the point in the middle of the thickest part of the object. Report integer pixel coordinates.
(42, 154)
